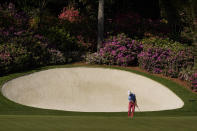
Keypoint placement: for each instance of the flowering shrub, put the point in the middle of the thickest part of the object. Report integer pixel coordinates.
(82, 44)
(193, 79)
(11, 17)
(79, 29)
(20, 47)
(70, 14)
(154, 59)
(5, 58)
(180, 60)
(185, 74)
(94, 58)
(56, 57)
(12, 22)
(68, 43)
(118, 50)
(162, 55)
(13, 57)
(168, 62)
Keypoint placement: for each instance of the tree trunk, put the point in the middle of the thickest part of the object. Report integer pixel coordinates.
(100, 23)
(194, 18)
(195, 41)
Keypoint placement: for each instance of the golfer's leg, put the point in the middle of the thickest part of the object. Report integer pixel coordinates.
(129, 109)
(133, 110)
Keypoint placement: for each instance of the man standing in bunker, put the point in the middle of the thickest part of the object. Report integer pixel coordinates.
(132, 103)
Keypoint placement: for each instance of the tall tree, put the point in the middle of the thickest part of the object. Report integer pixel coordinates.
(193, 8)
(100, 23)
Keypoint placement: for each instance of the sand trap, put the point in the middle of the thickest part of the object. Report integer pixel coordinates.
(89, 90)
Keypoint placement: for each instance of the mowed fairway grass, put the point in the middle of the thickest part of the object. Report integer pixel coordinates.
(82, 123)
(15, 117)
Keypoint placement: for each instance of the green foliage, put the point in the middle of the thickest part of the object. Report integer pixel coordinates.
(13, 57)
(164, 43)
(61, 38)
(6, 18)
(30, 5)
(179, 15)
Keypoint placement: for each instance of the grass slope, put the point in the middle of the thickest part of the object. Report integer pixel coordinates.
(22, 118)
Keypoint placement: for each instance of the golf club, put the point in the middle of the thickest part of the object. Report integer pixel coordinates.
(138, 108)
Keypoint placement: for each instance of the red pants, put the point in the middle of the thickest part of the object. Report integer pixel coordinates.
(131, 105)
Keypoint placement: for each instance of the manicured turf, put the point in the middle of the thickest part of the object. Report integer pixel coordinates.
(22, 118)
(81, 123)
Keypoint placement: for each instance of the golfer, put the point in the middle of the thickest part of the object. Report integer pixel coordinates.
(132, 103)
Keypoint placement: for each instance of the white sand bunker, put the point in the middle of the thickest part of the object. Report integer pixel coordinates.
(89, 90)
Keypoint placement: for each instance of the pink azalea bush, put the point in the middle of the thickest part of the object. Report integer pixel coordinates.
(193, 79)
(20, 47)
(72, 30)
(13, 57)
(5, 58)
(154, 59)
(117, 50)
(166, 61)
(180, 60)
(162, 55)
(82, 43)
(70, 14)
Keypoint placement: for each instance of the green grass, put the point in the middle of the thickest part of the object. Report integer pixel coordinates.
(22, 118)
(84, 123)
